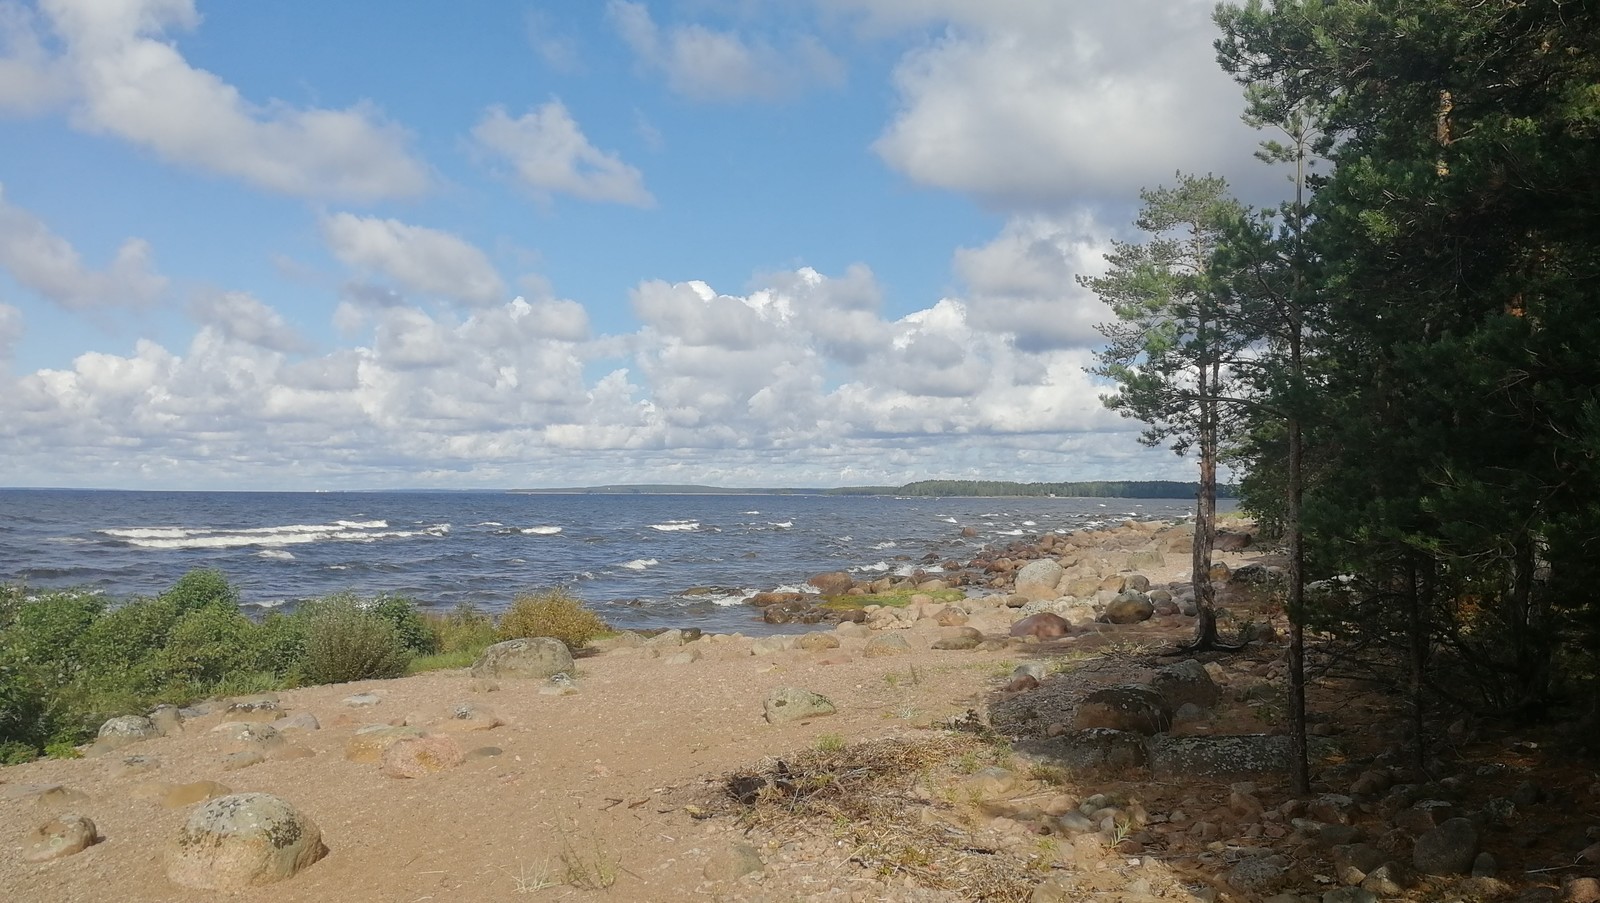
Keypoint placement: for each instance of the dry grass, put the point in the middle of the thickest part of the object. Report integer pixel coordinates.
(866, 795)
(552, 613)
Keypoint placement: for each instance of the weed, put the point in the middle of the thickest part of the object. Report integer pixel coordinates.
(592, 869)
(830, 743)
(552, 613)
(526, 882)
(1054, 775)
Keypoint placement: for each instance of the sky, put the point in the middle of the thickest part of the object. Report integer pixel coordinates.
(304, 245)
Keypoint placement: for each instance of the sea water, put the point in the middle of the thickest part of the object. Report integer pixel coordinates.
(641, 560)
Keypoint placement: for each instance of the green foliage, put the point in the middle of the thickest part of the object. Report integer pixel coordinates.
(15, 752)
(199, 589)
(464, 629)
(552, 613)
(345, 641)
(402, 613)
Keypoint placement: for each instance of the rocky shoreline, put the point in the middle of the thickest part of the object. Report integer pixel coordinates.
(1091, 768)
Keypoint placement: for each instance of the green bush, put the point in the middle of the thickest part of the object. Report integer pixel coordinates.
(402, 613)
(200, 588)
(464, 629)
(346, 642)
(552, 613)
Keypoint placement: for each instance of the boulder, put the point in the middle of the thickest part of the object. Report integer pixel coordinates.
(262, 708)
(799, 611)
(1090, 749)
(794, 703)
(124, 729)
(1186, 682)
(1448, 849)
(421, 756)
(537, 657)
(1239, 754)
(832, 583)
(1135, 708)
(762, 600)
(1258, 874)
(818, 642)
(1044, 625)
(886, 644)
(243, 840)
(1038, 579)
(467, 716)
(1129, 607)
(60, 837)
(369, 743)
(1232, 541)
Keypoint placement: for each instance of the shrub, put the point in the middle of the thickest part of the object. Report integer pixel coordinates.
(552, 613)
(402, 613)
(464, 629)
(346, 642)
(200, 588)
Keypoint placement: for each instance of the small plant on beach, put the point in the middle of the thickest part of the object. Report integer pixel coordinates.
(526, 881)
(408, 624)
(346, 642)
(552, 613)
(594, 868)
(830, 743)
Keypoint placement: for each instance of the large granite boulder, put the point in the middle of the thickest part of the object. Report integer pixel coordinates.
(1096, 748)
(1134, 708)
(1448, 849)
(1130, 607)
(243, 840)
(794, 703)
(833, 583)
(537, 657)
(1045, 626)
(1186, 682)
(1204, 757)
(1038, 579)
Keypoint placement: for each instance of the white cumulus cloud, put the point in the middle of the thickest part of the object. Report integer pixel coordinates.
(416, 258)
(40, 260)
(549, 155)
(121, 74)
(707, 64)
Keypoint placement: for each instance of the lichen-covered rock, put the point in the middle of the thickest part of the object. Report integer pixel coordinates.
(1129, 607)
(817, 642)
(467, 716)
(1097, 748)
(243, 840)
(1258, 874)
(1448, 849)
(421, 756)
(793, 703)
(1186, 682)
(122, 730)
(1240, 754)
(537, 657)
(60, 837)
(1135, 708)
(263, 708)
(833, 583)
(1038, 579)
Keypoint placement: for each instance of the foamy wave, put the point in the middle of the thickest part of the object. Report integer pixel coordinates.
(539, 531)
(639, 564)
(267, 537)
(1030, 523)
(949, 520)
(676, 526)
(1008, 532)
(267, 603)
(781, 525)
(276, 554)
(752, 512)
(880, 567)
(888, 544)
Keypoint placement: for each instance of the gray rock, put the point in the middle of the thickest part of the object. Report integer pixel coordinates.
(1038, 579)
(1187, 606)
(1129, 707)
(794, 703)
(536, 657)
(1035, 670)
(1389, 880)
(1448, 849)
(1352, 862)
(1258, 874)
(301, 721)
(127, 729)
(362, 700)
(1242, 754)
(1186, 682)
(1484, 866)
(242, 840)
(1129, 608)
(1097, 748)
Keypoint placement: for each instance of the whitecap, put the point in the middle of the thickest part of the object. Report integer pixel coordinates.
(489, 523)
(876, 568)
(781, 525)
(1008, 533)
(276, 554)
(151, 533)
(1030, 523)
(676, 526)
(267, 603)
(888, 544)
(362, 524)
(540, 531)
(752, 512)
(639, 564)
(949, 520)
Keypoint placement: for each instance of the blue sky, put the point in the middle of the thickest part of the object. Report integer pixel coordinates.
(826, 242)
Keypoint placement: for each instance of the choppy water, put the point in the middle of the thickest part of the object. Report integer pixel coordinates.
(630, 556)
